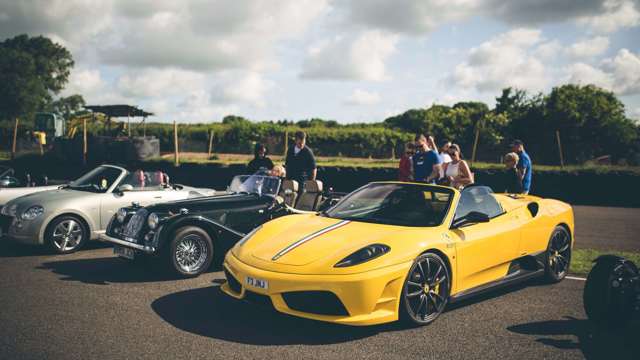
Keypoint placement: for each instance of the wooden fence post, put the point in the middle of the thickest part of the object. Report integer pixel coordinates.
(560, 148)
(15, 138)
(286, 142)
(175, 143)
(475, 144)
(210, 144)
(84, 141)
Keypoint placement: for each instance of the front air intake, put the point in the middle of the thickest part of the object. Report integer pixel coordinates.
(315, 302)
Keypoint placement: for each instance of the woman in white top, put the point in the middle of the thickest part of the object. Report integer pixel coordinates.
(457, 172)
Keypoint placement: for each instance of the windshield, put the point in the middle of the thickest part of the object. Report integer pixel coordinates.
(255, 184)
(395, 204)
(96, 180)
(145, 180)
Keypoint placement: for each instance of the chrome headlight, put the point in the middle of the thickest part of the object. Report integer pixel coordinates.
(153, 221)
(363, 255)
(121, 215)
(32, 212)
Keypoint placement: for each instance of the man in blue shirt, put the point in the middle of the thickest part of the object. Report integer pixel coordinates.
(524, 165)
(426, 161)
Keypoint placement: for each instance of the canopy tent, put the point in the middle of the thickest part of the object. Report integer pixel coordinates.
(127, 111)
(118, 110)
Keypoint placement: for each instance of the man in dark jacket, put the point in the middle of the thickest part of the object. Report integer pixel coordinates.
(300, 162)
(260, 160)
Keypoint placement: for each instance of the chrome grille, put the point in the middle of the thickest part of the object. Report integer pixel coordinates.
(135, 224)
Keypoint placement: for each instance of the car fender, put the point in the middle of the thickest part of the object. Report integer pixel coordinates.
(214, 228)
(81, 214)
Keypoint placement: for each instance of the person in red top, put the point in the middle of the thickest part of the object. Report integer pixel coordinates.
(406, 167)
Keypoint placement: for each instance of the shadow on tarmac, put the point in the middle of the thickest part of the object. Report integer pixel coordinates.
(105, 270)
(10, 249)
(593, 344)
(209, 312)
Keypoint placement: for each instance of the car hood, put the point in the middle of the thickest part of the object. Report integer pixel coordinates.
(204, 203)
(44, 197)
(311, 244)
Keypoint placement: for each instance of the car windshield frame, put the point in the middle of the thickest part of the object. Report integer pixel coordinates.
(5, 170)
(254, 184)
(424, 188)
(83, 183)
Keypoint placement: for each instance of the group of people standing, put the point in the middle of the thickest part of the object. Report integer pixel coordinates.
(423, 161)
(300, 163)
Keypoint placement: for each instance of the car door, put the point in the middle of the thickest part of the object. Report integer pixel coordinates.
(485, 250)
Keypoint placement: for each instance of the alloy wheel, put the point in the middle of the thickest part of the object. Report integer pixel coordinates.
(426, 290)
(67, 235)
(559, 253)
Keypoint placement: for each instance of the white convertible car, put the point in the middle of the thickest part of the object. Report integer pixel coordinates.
(67, 216)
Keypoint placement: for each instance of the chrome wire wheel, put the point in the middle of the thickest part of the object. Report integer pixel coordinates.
(559, 254)
(426, 290)
(191, 253)
(67, 235)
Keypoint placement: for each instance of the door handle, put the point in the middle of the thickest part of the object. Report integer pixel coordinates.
(157, 197)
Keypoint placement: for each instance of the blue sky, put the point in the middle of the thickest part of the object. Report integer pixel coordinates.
(349, 60)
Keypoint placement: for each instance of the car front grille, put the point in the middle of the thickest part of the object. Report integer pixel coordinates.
(136, 223)
(234, 284)
(315, 302)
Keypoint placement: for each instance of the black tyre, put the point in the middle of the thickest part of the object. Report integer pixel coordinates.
(426, 290)
(558, 255)
(66, 234)
(605, 305)
(191, 251)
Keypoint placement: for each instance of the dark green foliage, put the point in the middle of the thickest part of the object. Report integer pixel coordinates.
(31, 69)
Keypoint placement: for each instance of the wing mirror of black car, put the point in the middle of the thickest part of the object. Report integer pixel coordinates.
(473, 217)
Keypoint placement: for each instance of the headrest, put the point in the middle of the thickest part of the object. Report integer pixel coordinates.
(313, 186)
(290, 184)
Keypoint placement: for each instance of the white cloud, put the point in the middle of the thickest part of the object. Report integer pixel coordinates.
(505, 60)
(159, 82)
(362, 97)
(197, 107)
(249, 88)
(360, 57)
(588, 48)
(620, 74)
(581, 73)
(408, 16)
(617, 14)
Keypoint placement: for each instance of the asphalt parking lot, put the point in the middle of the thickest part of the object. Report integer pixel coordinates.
(93, 305)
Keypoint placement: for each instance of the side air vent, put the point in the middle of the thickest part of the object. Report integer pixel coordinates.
(533, 208)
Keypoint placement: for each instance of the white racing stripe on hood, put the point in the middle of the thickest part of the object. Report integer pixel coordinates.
(309, 237)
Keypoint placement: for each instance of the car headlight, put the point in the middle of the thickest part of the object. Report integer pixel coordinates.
(121, 215)
(32, 212)
(248, 236)
(153, 221)
(363, 255)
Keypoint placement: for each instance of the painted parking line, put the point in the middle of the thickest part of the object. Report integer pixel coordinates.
(575, 278)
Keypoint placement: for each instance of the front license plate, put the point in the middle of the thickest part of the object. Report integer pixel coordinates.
(123, 252)
(257, 283)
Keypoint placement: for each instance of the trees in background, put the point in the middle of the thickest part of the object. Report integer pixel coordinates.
(32, 71)
(591, 122)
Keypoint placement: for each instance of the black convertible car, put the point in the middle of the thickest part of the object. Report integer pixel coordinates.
(190, 234)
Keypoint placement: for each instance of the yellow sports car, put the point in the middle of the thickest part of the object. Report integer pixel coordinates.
(392, 250)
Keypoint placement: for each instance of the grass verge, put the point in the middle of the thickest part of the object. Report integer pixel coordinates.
(582, 259)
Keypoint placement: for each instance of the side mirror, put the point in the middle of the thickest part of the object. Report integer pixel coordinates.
(473, 217)
(125, 187)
